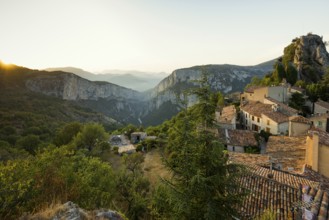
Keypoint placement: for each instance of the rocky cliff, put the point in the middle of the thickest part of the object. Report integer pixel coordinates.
(72, 87)
(224, 78)
(310, 57)
(122, 104)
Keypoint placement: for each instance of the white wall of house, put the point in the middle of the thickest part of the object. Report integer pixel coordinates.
(319, 109)
(279, 93)
(235, 148)
(273, 127)
(249, 120)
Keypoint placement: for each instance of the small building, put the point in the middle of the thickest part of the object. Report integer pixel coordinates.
(321, 107)
(317, 151)
(115, 140)
(251, 115)
(226, 118)
(321, 121)
(298, 125)
(259, 93)
(136, 137)
(275, 122)
(237, 140)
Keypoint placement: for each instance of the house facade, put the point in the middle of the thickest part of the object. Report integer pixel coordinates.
(321, 107)
(226, 118)
(317, 151)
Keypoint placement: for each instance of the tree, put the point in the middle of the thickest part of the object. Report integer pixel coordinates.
(203, 184)
(279, 72)
(292, 74)
(313, 92)
(29, 143)
(297, 101)
(67, 133)
(133, 187)
(91, 136)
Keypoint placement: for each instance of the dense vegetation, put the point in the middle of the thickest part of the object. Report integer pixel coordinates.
(46, 158)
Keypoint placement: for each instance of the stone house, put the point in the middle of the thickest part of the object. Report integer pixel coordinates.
(259, 93)
(321, 121)
(317, 151)
(298, 125)
(136, 137)
(321, 107)
(237, 140)
(257, 116)
(226, 118)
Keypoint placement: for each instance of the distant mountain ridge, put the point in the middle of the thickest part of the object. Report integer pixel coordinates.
(136, 80)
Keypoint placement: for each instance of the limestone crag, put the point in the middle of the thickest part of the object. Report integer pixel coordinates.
(311, 57)
(71, 87)
(223, 78)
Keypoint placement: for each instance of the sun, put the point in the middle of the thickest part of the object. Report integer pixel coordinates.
(4, 65)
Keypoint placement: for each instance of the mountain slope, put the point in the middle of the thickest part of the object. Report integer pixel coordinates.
(67, 96)
(224, 78)
(136, 80)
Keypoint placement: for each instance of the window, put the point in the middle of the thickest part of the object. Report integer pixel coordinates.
(319, 123)
(246, 121)
(268, 122)
(246, 115)
(258, 119)
(252, 118)
(268, 130)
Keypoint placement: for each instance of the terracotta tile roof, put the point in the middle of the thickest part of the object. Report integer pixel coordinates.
(279, 194)
(316, 177)
(227, 114)
(288, 151)
(241, 138)
(245, 158)
(323, 104)
(283, 107)
(323, 136)
(320, 116)
(277, 116)
(300, 119)
(251, 89)
(256, 108)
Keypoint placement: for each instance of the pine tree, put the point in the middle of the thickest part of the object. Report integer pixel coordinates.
(203, 184)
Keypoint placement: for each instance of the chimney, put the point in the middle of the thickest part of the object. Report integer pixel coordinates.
(313, 150)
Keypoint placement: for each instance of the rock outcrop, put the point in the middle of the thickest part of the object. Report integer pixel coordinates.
(311, 57)
(71, 211)
(72, 87)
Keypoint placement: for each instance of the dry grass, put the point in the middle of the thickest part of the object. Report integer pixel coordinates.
(153, 167)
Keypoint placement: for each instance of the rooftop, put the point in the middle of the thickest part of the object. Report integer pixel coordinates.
(319, 116)
(227, 114)
(299, 89)
(323, 136)
(241, 138)
(323, 104)
(283, 107)
(289, 152)
(256, 108)
(277, 116)
(251, 89)
(299, 119)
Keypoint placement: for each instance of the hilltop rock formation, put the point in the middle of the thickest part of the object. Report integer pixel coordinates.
(310, 57)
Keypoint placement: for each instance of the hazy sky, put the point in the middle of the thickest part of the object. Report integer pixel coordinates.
(157, 35)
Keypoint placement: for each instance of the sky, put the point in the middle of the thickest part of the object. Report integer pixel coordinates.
(153, 35)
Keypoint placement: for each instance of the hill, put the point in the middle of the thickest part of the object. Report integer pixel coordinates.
(136, 80)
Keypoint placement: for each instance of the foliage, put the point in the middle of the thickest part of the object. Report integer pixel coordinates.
(267, 215)
(203, 185)
(91, 136)
(29, 143)
(132, 187)
(297, 101)
(66, 134)
(57, 174)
